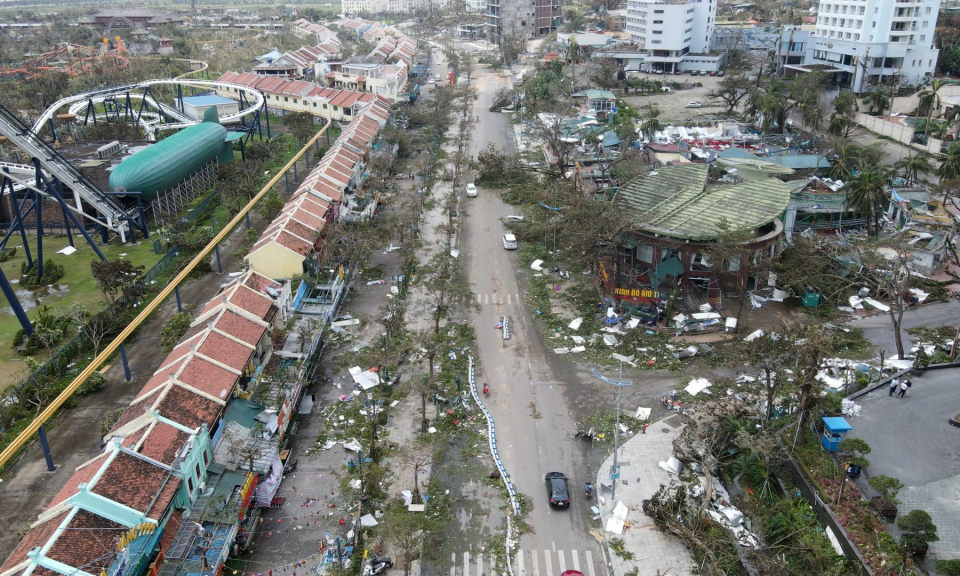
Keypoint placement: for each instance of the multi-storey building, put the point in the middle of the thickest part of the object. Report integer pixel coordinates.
(868, 41)
(674, 31)
(532, 18)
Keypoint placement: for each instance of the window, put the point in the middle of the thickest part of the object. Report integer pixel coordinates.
(198, 470)
(206, 458)
(848, 35)
(668, 253)
(658, 21)
(658, 31)
(930, 63)
(645, 253)
(190, 485)
(658, 11)
(314, 104)
(324, 106)
(914, 63)
(844, 11)
(285, 99)
(923, 38)
(928, 10)
(843, 22)
(294, 100)
(874, 24)
(924, 24)
(861, 11)
(656, 42)
(856, 37)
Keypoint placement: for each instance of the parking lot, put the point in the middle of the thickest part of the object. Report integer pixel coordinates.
(672, 104)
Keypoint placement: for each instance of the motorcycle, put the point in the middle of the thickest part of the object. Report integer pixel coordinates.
(585, 434)
(486, 391)
(377, 565)
(588, 490)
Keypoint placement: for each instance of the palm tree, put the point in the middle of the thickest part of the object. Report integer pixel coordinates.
(953, 115)
(813, 117)
(847, 161)
(912, 166)
(766, 105)
(878, 100)
(867, 193)
(950, 168)
(930, 100)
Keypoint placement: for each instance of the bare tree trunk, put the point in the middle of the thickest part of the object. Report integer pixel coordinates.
(896, 317)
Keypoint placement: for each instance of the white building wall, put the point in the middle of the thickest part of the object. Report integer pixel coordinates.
(678, 27)
(893, 36)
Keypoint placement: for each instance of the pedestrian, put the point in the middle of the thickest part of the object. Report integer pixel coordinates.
(909, 386)
(903, 389)
(894, 384)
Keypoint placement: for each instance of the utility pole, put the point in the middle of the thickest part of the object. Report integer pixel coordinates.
(615, 469)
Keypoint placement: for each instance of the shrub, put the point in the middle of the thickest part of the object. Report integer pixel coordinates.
(887, 487)
(109, 420)
(918, 530)
(94, 383)
(173, 331)
(948, 567)
(7, 254)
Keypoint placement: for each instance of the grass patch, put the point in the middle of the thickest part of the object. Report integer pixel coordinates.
(78, 283)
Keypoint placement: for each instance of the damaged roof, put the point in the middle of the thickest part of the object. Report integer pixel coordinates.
(675, 201)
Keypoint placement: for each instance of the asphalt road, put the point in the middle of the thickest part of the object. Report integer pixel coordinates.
(878, 329)
(534, 420)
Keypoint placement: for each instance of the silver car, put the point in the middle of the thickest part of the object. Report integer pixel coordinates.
(509, 242)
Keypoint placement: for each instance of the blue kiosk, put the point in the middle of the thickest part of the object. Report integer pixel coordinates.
(835, 429)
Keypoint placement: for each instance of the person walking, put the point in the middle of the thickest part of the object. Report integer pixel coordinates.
(909, 386)
(894, 384)
(903, 389)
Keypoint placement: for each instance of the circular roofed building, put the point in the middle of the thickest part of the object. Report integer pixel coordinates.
(700, 237)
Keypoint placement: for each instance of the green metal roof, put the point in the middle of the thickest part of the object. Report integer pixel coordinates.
(674, 201)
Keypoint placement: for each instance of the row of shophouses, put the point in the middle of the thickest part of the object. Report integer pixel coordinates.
(186, 470)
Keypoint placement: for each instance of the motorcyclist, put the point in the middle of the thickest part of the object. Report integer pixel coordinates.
(486, 390)
(588, 489)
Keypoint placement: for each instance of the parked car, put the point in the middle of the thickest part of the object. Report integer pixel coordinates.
(720, 73)
(693, 105)
(713, 72)
(692, 72)
(557, 489)
(677, 72)
(471, 190)
(509, 242)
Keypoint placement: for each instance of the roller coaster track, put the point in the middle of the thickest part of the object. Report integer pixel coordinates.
(27, 138)
(24, 436)
(53, 163)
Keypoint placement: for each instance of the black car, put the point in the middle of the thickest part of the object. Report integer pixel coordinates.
(557, 489)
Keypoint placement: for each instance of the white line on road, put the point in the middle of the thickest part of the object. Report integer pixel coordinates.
(536, 566)
(520, 569)
(576, 560)
(466, 564)
(453, 564)
(548, 562)
(589, 556)
(562, 560)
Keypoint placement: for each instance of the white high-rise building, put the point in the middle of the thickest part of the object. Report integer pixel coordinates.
(890, 36)
(676, 33)
(531, 18)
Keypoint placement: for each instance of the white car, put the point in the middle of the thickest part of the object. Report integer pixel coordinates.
(693, 105)
(509, 242)
(471, 190)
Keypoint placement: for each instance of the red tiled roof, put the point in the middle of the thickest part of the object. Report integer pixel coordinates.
(36, 537)
(163, 443)
(188, 408)
(131, 481)
(171, 529)
(240, 328)
(165, 498)
(208, 378)
(160, 378)
(226, 351)
(81, 476)
(89, 541)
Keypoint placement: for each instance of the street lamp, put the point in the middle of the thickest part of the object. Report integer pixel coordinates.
(615, 470)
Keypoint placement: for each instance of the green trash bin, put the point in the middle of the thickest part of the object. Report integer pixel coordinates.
(810, 299)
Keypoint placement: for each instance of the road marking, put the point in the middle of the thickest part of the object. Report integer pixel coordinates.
(548, 562)
(466, 564)
(562, 560)
(506, 428)
(501, 350)
(539, 450)
(486, 298)
(453, 564)
(508, 299)
(502, 369)
(576, 560)
(479, 299)
(520, 568)
(535, 564)
(589, 556)
(536, 424)
(503, 406)
(503, 386)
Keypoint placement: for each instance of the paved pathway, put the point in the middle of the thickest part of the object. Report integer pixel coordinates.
(654, 551)
(912, 440)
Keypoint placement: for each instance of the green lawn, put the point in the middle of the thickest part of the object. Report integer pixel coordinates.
(76, 286)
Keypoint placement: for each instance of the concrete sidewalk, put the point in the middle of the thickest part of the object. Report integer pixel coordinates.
(654, 551)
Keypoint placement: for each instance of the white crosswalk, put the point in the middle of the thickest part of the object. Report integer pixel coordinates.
(499, 299)
(526, 563)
